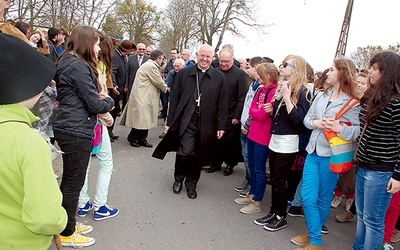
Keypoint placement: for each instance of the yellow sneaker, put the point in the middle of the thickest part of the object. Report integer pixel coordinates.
(76, 240)
(83, 229)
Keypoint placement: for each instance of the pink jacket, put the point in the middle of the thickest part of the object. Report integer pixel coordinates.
(261, 122)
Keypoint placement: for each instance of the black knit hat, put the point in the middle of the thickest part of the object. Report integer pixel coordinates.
(24, 72)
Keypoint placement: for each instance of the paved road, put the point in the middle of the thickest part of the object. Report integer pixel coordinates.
(153, 217)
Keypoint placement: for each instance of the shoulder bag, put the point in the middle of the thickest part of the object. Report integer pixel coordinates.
(342, 150)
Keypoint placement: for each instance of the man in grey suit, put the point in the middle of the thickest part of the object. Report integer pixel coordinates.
(134, 62)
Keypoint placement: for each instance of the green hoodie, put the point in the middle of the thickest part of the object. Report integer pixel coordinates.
(30, 199)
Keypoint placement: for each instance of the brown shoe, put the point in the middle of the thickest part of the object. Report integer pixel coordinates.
(310, 247)
(345, 217)
(301, 240)
(245, 201)
(396, 236)
(252, 208)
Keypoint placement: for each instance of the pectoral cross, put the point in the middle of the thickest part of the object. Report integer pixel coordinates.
(198, 100)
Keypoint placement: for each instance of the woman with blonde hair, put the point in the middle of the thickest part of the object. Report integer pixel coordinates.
(292, 101)
(318, 180)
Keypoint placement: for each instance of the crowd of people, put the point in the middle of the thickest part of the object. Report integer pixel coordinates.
(215, 110)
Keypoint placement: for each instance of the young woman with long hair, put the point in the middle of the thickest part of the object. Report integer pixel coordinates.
(378, 154)
(292, 101)
(101, 209)
(75, 119)
(318, 180)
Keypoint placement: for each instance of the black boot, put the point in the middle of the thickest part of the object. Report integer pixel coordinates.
(228, 170)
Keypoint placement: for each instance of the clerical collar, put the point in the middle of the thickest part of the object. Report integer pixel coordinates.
(202, 70)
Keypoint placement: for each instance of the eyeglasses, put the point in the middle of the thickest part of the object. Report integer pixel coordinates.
(141, 49)
(225, 61)
(284, 64)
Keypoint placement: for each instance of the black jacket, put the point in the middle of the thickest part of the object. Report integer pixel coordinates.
(131, 68)
(118, 70)
(78, 98)
(212, 115)
(292, 123)
(236, 80)
(53, 51)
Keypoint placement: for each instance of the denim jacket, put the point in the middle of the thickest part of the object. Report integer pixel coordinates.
(319, 110)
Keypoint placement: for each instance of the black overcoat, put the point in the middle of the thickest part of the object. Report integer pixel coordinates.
(213, 111)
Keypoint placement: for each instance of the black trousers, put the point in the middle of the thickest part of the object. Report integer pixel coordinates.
(229, 147)
(279, 167)
(116, 109)
(186, 161)
(75, 162)
(139, 135)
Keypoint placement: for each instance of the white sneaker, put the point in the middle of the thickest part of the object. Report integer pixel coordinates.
(349, 202)
(336, 201)
(387, 246)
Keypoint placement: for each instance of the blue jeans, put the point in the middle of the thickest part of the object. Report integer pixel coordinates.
(316, 194)
(257, 160)
(371, 203)
(243, 140)
(297, 196)
(103, 177)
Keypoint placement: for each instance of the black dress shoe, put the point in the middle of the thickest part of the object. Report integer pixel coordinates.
(191, 193)
(134, 143)
(228, 170)
(177, 187)
(145, 144)
(112, 136)
(205, 168)
(213, 169)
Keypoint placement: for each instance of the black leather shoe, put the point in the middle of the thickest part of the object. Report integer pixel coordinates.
(228, 170)
(191, 193)
(134, 143)
(145, 144)
(112, 136)
(205, 168)
(213, 169)
(177, 187)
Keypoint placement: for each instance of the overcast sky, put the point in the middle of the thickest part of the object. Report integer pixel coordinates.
(312, 30)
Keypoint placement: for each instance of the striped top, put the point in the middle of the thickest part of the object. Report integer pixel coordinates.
(379, 148)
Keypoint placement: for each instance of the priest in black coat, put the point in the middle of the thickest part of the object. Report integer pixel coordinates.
(196, 120)
(229, 148)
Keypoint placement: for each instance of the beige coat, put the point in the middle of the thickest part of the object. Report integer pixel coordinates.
(142, 108)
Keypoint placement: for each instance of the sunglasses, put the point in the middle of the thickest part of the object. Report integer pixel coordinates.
(141, 49)
(284, 64)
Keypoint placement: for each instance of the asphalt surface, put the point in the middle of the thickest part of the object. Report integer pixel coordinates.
(153, 217)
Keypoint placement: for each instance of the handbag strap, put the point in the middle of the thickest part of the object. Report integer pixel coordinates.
(346, 107)
(358, 144)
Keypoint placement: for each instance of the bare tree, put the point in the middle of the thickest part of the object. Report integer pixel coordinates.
(362, 55)
(180, 25)
(209, 20)
(61, 13)
(139, 20)
(216, 17)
